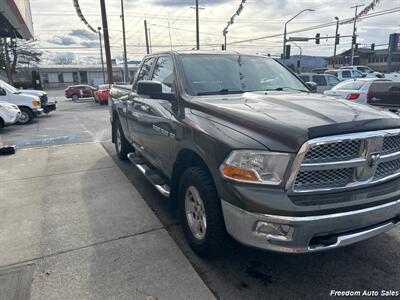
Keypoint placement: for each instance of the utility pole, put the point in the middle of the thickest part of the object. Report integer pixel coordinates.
(101, 55)
(147, 37)
(334, 50)
(197, 26)
(353, 40)
(124, 41)
(225, 33)
(106, 41)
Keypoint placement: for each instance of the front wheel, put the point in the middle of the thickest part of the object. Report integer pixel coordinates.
(26, 116)
(122, 146)
(75, 97)
(201, 214)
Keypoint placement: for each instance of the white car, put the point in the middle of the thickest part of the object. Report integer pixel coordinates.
(393, 76)
(355, 90)
(344, 74)
(367, 71)
(9, 114)
(29, 105)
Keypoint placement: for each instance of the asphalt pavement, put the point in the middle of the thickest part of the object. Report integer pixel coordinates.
(246, 274)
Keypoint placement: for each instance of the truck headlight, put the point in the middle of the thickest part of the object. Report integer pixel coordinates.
(35, 103)
(256, 166)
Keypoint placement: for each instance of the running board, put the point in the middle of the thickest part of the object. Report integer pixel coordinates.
(155, 179)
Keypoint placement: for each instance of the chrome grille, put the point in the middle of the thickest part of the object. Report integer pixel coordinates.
(333, 151)
(391, 144)
(346, 161)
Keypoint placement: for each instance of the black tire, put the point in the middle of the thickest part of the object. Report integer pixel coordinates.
(26, 116)
(1, 123)
(75, 97)
(216, 241)
(122, 146)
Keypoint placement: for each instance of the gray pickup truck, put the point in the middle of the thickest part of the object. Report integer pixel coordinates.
(243, 149)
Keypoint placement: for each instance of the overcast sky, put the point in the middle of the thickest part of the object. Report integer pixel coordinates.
(60, 32)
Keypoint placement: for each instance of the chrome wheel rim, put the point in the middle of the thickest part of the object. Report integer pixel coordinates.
(119, 142)
(195, 213)
(23, 118)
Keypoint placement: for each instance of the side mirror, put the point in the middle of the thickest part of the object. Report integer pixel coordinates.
(2, 92)
(312, 86)
(153, 89)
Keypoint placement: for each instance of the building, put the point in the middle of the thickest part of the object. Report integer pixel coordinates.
(375, 59)
(61, 76)
(305, 63)
(16, 19)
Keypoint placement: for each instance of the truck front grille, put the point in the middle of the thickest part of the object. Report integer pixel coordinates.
(346, 161)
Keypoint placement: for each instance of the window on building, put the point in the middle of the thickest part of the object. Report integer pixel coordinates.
(45, 78)
(60, 77)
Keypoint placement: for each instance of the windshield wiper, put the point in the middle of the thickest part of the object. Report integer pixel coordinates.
(290, 88)
(221, 92)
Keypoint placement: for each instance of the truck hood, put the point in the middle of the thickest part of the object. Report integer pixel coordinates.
(32, 92)
(283, 121)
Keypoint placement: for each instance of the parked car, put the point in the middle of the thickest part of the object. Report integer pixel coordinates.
(319, 70)
(28, 104)
(324, 81)
(385, 94)
(393, 76)
(79, 91)
(242, 148)
(47, 105)
(9, 114)
(102, 93)
(342, 74)
(367, 71)
(355, 90)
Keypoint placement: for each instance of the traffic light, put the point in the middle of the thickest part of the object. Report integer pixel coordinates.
(354, 39)
(223, 47)
(287, 52)
(317, 38)
(356, 48)
(337, 39)
(373, 46)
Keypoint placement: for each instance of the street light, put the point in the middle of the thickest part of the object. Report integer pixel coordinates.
(284, 33)
(334, 50)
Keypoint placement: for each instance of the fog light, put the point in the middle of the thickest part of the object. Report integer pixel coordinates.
(274, 231)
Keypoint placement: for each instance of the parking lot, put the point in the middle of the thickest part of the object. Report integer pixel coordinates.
(73, 216)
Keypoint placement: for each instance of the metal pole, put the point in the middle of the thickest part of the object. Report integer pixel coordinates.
(124, 41)
(170, 39)
(353, 40)
(284, 45)
(101, 56)
(147, 37)
(197, 26)
(150, 43)
(106, 41)
(334, 49)
(225, 39)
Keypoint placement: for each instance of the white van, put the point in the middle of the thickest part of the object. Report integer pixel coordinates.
(28, 104)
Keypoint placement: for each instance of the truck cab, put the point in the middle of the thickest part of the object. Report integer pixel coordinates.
(29, 105)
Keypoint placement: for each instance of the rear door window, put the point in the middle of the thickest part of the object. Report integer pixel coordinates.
(332, 80)
(319, 80)
(346, 74)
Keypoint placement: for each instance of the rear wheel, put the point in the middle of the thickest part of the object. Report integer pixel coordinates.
(75, 97)
(201, 214)
(122, 146)
(26, 116)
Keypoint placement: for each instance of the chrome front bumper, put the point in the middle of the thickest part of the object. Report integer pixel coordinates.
(310, 233)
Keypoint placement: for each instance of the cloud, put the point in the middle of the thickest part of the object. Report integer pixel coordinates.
(62, 40)
(83, 34)
(90, 44)
(184, 2)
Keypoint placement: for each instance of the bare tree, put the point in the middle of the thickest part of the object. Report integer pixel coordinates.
(16, 52)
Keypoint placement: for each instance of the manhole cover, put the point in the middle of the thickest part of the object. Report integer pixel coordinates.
(15, 283)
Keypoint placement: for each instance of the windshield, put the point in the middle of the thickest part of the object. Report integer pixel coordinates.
(208, 74)
(8, 87)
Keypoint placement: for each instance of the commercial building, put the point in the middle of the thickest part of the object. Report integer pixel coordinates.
(16, 19)
(60, 76)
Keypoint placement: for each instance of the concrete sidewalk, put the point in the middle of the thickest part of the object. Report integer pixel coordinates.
(75, 228)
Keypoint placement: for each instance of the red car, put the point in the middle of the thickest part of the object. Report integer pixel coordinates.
(79, 91)
(101, 95)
